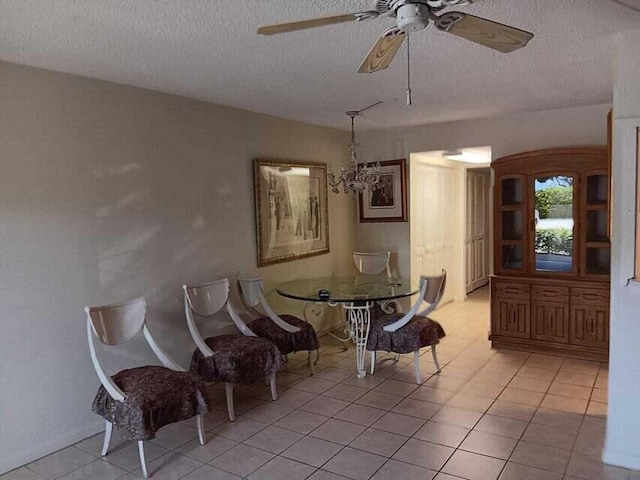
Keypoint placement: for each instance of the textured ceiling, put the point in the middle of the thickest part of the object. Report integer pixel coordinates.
(208, 49)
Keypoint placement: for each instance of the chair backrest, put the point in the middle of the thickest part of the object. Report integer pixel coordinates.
(252, 290)
(372, 263)
(116, 324)
(431, 292)
(434, 291)
(206, 300)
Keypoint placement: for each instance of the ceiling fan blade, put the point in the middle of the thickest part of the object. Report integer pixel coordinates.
(491, 34)
(622, 3)
(304, 24)
(382, 53)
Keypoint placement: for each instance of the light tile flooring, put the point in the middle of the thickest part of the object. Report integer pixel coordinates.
(489, 415)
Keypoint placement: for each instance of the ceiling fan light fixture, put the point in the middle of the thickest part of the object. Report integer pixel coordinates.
(412, 17)
(466, 156)
(452, 154)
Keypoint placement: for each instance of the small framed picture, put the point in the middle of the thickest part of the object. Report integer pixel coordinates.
(387, 203)
(291, 210)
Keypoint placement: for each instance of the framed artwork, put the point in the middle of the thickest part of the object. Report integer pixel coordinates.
(389, 202)
(291, 210)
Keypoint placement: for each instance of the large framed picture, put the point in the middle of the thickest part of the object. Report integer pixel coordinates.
(291, 210)
(388, 203)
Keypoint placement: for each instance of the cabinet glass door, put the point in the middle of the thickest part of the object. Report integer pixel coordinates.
(554, 223)
(596, 257)
(511, 223)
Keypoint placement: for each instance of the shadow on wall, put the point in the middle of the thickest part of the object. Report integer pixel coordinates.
(148, 249)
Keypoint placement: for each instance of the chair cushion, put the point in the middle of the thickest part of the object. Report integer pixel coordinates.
(377, 311)
(419, 332)
(154, 397)
(286, 342)
(237, 359)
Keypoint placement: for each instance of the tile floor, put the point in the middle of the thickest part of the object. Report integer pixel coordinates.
(489, 415)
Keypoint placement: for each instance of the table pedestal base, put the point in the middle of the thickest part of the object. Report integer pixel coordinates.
(359, 318)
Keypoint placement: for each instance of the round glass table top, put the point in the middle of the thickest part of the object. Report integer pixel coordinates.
(360, 288)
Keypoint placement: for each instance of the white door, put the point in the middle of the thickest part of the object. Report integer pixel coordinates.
(433, 213)
(476, 240)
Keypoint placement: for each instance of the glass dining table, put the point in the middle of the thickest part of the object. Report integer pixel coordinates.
(357, 295)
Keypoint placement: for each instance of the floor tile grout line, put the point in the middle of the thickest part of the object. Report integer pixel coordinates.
(566, 468)
(474, 425)
(370, 426)
(530, 422)
(349, 444)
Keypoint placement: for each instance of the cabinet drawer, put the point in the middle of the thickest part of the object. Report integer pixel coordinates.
(589, 296)
(511, 290)
(549, 293)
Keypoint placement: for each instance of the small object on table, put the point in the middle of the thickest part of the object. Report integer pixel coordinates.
(323, 293)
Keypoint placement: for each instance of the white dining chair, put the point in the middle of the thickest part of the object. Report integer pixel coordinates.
(139, 401)
(288, 332)
(406, 333)
(244, 359)
(374, 263)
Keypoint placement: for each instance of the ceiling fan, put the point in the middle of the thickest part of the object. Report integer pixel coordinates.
(412, 16)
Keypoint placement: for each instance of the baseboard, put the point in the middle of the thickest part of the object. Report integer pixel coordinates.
(44, 449)
(620, 459)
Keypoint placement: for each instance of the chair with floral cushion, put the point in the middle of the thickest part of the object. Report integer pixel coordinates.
(290, 334)
(243, 359)
(139, 401)
(406, 333)
(376, 263)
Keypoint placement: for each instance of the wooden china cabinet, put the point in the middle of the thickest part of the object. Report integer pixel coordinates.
(550, 291)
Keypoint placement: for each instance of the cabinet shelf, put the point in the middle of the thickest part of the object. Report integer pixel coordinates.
(597, 206)
(511, 242)
(605, 243)
(511, 208)
(597, 186)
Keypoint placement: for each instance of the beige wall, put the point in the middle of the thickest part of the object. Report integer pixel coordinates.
(108, 192)
(622, 447)
(505, 135)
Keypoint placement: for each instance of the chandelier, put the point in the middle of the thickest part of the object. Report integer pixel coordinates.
(357, 177)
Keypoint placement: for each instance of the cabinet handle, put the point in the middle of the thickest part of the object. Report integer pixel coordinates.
(591, 296)
(512, 290)
(550, 293)
(591, 326)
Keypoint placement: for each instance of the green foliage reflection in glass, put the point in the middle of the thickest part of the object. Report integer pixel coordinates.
(554, 222)
(554, 191)
(554, 240)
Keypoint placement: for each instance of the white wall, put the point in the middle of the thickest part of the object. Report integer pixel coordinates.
(622, 446)
(108, 192)
(453, 240)
(432, 234)
(505, 135)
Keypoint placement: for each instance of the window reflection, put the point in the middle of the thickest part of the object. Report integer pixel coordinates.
(554, 223)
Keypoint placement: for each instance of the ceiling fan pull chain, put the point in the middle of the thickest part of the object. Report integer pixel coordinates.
(408, 71)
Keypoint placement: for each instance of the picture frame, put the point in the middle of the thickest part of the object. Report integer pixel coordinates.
(291, 206)
(389, 202)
